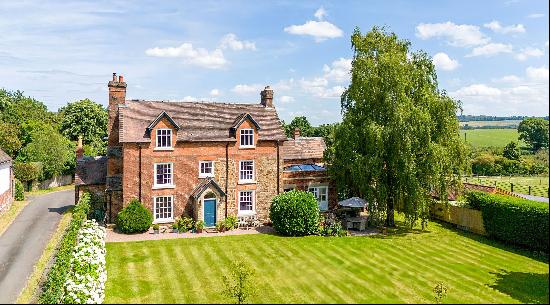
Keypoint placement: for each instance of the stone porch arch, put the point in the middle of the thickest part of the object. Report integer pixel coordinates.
(208, 189)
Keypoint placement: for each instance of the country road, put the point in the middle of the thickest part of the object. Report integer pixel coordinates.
(23, 242)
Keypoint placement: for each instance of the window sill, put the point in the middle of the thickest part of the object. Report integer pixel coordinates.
(163, 149)
(161, 221)
(160, 187)
(206, 176)
(246, 182)
(247, 147)
(246, 213)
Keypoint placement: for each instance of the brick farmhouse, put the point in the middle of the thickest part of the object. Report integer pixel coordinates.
(6, 181)
(203, 159)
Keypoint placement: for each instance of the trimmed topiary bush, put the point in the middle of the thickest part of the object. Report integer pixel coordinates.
(514, 220)
(295, 213)
(19, 191)
(135, 218)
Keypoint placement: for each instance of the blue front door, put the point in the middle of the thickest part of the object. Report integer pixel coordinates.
(210, 212)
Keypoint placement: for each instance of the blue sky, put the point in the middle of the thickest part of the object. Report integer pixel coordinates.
(492, 55)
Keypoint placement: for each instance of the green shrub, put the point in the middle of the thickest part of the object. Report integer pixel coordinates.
(19, 190)
(230, 222)
(27, 171)
(135, 218)
(514, 220)
(52, 291)
(185, 224)
(295, 213)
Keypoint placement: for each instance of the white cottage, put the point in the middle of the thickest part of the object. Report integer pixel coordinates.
(6, 181)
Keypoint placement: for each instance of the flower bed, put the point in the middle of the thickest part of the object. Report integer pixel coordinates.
(85, 282)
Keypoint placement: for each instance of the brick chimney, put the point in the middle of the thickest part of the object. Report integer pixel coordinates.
(79, 149)
(117, 96)
(267, 97)
(297, 133)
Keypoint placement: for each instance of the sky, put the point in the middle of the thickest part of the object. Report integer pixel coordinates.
(491, 55)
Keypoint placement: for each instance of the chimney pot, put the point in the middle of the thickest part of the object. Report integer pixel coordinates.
(121, 78)
(114, 77)
(297, 133)
(267, 97)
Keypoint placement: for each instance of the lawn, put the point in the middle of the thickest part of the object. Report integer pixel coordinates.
(402, 267)
(539, 185)
(490, 137)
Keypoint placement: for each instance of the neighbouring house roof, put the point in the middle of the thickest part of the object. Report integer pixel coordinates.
(353, 202)
(4, 157)
(158, 118)
(204, 185)
(198, 121)
(304, 148)
(91, 170)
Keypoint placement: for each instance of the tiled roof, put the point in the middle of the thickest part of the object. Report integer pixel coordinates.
(304, 148)
(4, 157)
(204, 185)
(91, 170)
(198, 121)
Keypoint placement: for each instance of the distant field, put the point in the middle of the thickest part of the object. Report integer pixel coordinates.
(514, 123)
(539, 185)
(490, 137)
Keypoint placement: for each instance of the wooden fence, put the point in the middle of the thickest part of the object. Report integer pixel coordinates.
(465, 218)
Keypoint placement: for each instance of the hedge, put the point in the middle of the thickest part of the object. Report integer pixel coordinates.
(295, 213)
(53, 288)
(514, 220)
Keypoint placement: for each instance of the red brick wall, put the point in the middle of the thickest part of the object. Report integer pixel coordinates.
(186, 156)
(302, 180)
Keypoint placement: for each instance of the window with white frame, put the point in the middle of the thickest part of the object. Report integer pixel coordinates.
(164, 174)
(206, 169)
(246, 202)
(247, 137)
(164, 209)
(246, 171)
(164, 138)
(321, 194)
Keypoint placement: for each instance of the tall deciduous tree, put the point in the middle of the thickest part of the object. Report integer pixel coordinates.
(534, 131)
(87, 119)
(511, 151)
(301, 122)
(9, 139)
(399, 140)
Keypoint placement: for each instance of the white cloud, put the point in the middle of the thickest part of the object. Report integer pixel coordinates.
(477, 90)
(463, 35)
(320, 30)
(286, 99)
(247, 89)
(507, 79)
(490, 49)
(524, 54)
(535, 15)
(496, 27)
(232, 42)
(195, 56)
(339, 71)
(319, 88)
(444, 62)
(537, 74)
(214, 92)
(320, 13)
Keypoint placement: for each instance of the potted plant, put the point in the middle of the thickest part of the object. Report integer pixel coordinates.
(199, 226)
(156, 228)
(175, 227)
(220, 227)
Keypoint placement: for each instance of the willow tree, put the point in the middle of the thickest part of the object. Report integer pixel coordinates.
(399, 141)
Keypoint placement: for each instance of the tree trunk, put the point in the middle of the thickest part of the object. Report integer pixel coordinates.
(390, 219)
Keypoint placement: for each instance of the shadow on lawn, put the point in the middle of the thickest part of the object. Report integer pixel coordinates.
(525, 287)
(400, 229)
(536, 255)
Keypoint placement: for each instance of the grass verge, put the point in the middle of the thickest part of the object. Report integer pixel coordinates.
(7, 217)
(50, 190)
(29, 293)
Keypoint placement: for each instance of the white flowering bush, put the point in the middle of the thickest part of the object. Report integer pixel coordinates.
(85, 283)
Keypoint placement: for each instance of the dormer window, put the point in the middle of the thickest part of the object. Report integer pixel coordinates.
(247, 137)
(164, 138)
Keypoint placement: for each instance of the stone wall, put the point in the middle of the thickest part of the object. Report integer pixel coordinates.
(302, 180)
(53, 182)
